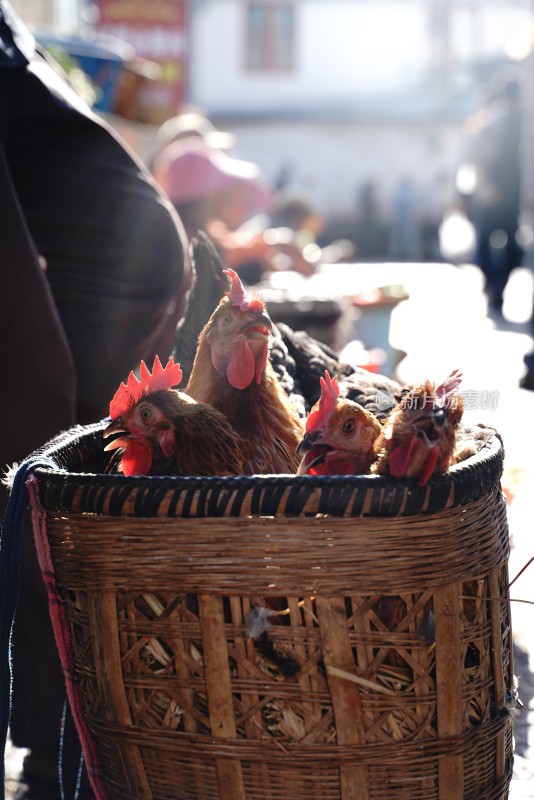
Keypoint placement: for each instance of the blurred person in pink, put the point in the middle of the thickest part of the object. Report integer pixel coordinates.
(218, 193)
(205, 183)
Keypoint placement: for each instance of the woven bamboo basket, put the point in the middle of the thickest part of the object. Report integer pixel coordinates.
(385, 672)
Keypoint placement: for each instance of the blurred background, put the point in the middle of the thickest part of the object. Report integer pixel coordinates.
(361, 105)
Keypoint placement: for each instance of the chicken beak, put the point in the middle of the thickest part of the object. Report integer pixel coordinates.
(115, 427)
(312, 453)
(259, 323)
(307, 442)
(264, 319)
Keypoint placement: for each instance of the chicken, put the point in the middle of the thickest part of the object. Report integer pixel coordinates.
(299, 360)
(166, 432)
(232, 371)
(419, 437)
(339, 435)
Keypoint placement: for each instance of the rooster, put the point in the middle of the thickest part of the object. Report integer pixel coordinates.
(419, 437)
(232, 372)
(339, 435)
(166, 432)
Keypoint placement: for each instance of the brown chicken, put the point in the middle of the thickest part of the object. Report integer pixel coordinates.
(165, 432)
(419, 436)
(232, 372)
(339, 435)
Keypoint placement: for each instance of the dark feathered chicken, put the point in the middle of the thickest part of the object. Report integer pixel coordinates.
(377, 393)
(166, 432)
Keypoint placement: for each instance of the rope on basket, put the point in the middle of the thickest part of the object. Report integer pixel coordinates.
(62, 633)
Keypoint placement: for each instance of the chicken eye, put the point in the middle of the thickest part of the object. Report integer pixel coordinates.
(145, 413)
(227, 319)
(348, 426)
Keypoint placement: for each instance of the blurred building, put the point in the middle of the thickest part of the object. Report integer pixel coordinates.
(333, 94)
(347, 91)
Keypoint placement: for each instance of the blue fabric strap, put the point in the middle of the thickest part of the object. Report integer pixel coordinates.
(10, 549)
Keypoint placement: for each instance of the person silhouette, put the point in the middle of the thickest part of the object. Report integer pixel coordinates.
(488, 179)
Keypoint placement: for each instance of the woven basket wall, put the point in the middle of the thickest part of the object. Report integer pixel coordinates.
(386, 672)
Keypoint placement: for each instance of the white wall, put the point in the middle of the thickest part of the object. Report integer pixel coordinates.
(61, 15)
(335, 58)
(330, 162)
(345, 51)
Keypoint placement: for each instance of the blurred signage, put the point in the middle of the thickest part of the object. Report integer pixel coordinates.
(157, 31)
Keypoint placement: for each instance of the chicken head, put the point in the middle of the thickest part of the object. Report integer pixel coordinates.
(339, 435)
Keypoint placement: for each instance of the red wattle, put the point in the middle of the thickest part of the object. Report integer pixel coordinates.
(136, 459)
(399, 458)
(241, 367)
(430, 466)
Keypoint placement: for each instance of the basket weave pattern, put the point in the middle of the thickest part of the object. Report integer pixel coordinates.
(385, 672)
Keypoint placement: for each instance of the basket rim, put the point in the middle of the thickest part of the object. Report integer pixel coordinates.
(66, 489)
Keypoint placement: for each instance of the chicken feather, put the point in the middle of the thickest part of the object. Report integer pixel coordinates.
(162, 431)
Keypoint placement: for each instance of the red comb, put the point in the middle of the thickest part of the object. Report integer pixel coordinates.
(129, 393)
(327, 401)
(239, 297)
(449, 384)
